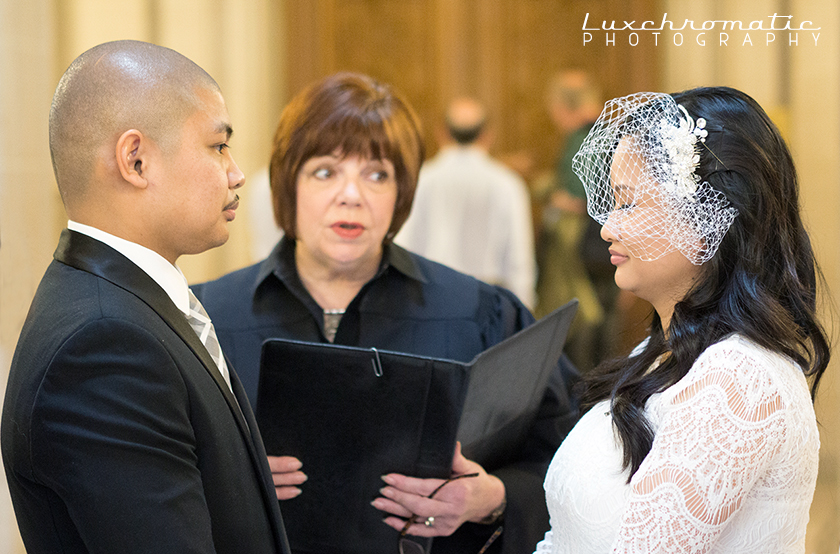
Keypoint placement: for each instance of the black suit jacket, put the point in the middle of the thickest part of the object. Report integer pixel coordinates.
(118, 432)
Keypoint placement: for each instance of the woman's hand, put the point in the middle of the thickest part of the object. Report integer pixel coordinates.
(285, 471)
(471, 499)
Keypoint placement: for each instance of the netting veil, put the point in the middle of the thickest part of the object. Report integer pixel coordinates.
(638, 166)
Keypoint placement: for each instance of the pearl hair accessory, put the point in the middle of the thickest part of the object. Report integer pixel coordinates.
(639, 166)
(680, 144)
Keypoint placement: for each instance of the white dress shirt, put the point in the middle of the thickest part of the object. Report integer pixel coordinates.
(473, 214)
(168, 276)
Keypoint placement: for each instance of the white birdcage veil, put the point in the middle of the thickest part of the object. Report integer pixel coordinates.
(638, 166)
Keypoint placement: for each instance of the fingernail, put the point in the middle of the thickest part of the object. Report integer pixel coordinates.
(388, 479)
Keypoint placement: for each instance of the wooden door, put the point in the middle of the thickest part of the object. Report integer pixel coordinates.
(502, 51)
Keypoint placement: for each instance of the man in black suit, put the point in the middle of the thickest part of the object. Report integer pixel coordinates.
(122, 429)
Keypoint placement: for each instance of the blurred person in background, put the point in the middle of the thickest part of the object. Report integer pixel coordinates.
(570, 255)
(471, 212)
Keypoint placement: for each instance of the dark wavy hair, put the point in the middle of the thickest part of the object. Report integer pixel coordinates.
(761, 283)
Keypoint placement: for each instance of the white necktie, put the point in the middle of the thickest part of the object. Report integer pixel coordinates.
(203, 327)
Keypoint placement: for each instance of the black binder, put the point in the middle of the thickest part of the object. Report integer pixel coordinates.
(353, 414)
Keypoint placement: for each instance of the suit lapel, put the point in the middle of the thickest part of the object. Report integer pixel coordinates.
(87, 254)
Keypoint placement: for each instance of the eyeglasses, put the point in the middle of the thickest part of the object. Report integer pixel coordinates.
(408, 546)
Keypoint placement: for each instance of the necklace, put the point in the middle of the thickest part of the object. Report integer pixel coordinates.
(331, 320)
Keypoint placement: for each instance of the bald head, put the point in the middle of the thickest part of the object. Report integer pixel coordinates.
(575, 89)
(465, 119)
(110, 89)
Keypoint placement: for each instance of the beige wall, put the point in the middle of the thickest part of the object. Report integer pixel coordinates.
(815, 140)
(240, 42)
(29, 205)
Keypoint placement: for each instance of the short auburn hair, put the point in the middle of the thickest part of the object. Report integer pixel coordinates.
(352, 114)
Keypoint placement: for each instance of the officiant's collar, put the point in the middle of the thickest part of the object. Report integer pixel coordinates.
(281, 262)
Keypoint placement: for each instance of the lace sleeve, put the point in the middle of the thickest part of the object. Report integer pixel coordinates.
(720, 427)
(545, 546)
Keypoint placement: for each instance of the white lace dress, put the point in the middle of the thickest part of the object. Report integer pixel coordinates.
(732, 468)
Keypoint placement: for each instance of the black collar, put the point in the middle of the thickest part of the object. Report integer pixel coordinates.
(280, 264)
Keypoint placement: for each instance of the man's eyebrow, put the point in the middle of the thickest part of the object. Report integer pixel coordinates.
(225, 128)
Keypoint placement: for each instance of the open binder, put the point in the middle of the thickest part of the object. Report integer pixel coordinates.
(354, 414)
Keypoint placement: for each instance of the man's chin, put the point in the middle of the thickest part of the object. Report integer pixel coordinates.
(216, 241)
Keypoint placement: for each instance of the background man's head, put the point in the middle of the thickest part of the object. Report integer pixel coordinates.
(574, 99)
(466, 120)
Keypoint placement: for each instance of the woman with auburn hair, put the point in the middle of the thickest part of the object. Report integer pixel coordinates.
(346, 157)
(704, 439)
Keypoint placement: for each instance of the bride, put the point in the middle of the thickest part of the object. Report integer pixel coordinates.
(704, 439)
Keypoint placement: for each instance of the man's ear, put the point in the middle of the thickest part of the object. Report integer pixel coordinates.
(132, 156)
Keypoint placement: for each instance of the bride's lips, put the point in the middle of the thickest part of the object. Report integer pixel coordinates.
(347, 229)
(616, 258)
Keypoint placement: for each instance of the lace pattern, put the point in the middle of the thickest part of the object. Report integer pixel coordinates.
(732, 467)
